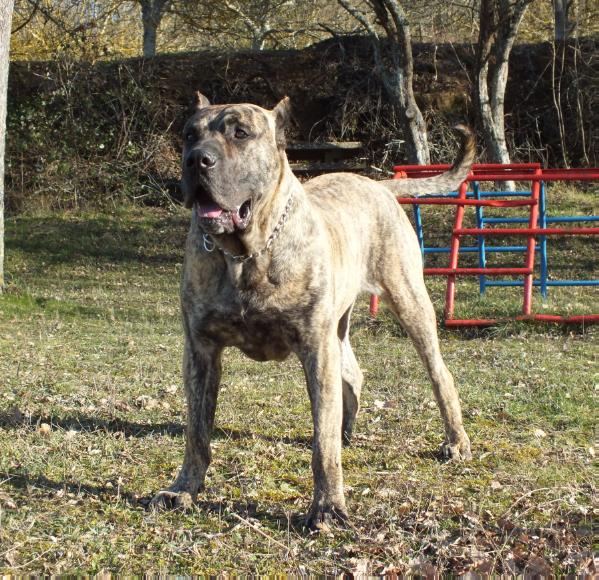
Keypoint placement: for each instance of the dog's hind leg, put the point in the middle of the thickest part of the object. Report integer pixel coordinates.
(352, 378)
(407, 296)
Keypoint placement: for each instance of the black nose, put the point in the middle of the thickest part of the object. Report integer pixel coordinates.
(201, 158)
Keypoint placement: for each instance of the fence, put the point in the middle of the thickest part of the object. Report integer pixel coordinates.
(537, 227)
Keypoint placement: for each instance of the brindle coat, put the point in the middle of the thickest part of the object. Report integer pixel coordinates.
(336, 236)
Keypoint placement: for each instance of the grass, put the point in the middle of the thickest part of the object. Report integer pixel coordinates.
(91, 425)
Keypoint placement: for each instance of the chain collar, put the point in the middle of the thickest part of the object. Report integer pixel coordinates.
(209, 243)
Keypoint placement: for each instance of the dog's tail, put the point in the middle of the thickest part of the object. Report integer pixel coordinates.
(445, 182)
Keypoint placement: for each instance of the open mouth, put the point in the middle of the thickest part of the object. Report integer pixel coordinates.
(241, 216)
(212, 214)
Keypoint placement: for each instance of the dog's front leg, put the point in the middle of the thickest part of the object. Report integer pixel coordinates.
(322, 366)
(201, 374)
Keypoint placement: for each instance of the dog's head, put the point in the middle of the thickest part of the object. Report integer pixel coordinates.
(232, 158)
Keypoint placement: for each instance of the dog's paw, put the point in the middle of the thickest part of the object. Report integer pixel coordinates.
(171, 500)
(346, 438)
(456, 450)
(323, 518)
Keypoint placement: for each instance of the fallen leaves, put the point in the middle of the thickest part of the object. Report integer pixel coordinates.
(44, 429)
(148, 403)
(6, 502)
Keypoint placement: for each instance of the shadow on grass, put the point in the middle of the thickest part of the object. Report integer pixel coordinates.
(503, 329)
(26, 482)
(82, 422)
(91, 424)
(222, 508)
(57, 240)
(240, 434)
(22, 303)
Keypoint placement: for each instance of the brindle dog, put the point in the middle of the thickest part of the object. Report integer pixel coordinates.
(273, 266)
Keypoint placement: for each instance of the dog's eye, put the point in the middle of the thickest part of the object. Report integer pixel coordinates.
(189, 137)
(240, 133)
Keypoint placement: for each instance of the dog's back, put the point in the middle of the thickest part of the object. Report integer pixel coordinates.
(365, 226)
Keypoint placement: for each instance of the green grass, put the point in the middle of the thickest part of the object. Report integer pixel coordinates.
(90, 344)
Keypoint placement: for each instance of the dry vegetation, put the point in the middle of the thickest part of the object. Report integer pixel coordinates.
(91, 425)
(82, 134)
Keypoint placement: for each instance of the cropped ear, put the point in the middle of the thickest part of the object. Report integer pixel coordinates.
(282, 115)
(201, 101)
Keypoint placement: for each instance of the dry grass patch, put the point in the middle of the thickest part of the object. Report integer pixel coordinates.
(91, 425)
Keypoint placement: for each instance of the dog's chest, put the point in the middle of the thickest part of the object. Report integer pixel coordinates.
(261, 334)
(254, 309)
(262, 327)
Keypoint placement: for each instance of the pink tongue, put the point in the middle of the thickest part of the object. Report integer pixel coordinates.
(209, 210)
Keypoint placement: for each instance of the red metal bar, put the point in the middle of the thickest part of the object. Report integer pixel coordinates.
(578, 319)
(374, 305)
(475, 166)
(556, 176)
(454, 252)
(477, 271)
(470, 322)
(487, 166)
(454, 201)
(588, 174)
(552, 170)
(528, 231)
(530, 246)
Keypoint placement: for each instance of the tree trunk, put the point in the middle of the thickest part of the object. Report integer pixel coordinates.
(151, 15)
(6, 8)
(560, 12)
(499, 23)
(414, 125)
(491, 118)
(398, 79)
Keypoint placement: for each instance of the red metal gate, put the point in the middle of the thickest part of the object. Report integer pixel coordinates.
(490, 172)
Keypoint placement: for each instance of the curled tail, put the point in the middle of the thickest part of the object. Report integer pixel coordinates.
(445, 182)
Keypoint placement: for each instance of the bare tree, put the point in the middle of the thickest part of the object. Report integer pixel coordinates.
(152, 12)
(254, 24)
(561, 9)
(258, 23)
(397, 77)
(499, 22)
(6, 9)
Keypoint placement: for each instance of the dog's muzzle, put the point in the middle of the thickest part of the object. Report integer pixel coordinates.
(213, 218)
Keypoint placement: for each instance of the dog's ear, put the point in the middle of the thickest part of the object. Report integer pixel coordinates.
(201, 101)
(282, 115)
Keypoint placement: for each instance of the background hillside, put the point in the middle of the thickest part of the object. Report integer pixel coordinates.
(81, 132)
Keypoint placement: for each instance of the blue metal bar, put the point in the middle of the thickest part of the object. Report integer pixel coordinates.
(505, 193)
(472, 249)
(470, 194)
(549, 283)
(573, 218)
(543, 242)
(505, 220)
(548, 220)
(482, 257)
(419, 229)
(573, 283)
